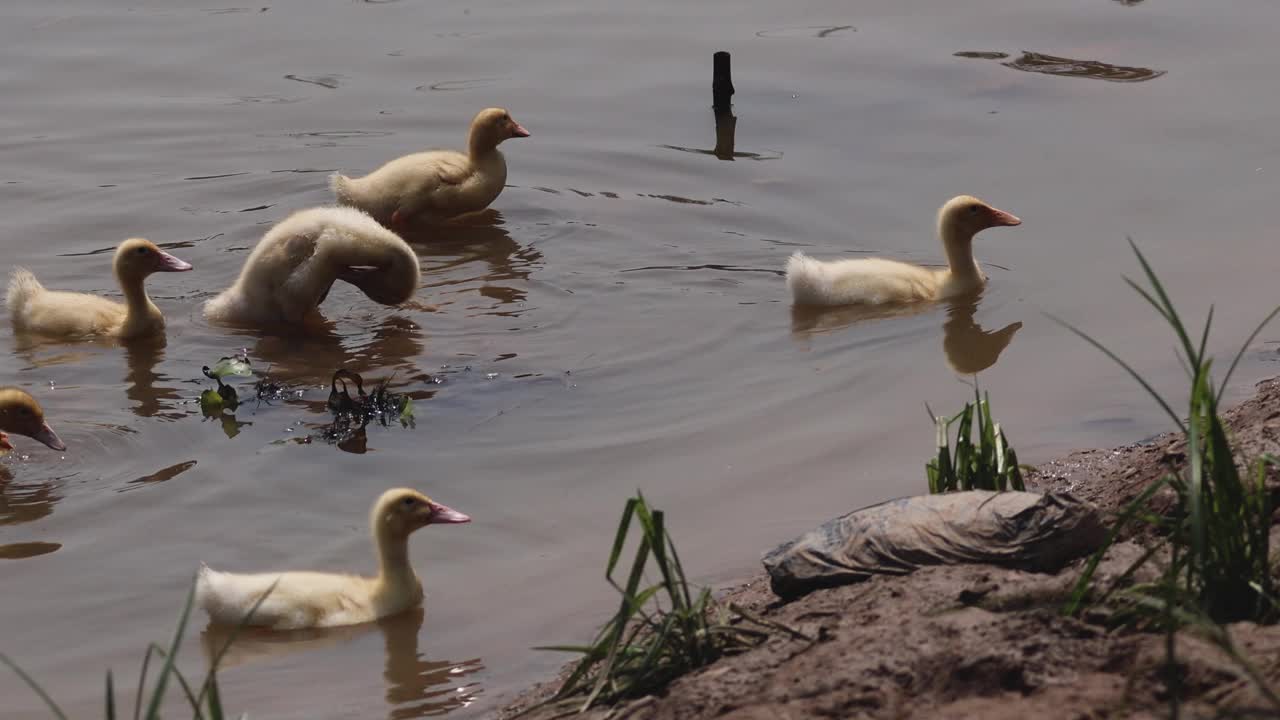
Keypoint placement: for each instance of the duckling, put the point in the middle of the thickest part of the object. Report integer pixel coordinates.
(22, 415)
(289, 273)
(877, 281)
(315, 600)
(437, 184)
(34, 309)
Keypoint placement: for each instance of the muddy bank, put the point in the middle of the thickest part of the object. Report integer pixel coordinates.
(979, 641)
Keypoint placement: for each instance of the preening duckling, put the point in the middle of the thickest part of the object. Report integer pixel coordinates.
(437, 184)
(877, 281)
(289, 273)
(313, 600)
(20, 414)
(34, 309)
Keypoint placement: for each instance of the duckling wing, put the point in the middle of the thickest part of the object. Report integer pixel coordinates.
(872, 281)
(452, 168)
(69, 314)
(296, 600)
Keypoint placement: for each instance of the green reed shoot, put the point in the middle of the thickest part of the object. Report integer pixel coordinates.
(1218, 532)
(661, 630)
(990, 464)
(1217, 567)
(204, 705)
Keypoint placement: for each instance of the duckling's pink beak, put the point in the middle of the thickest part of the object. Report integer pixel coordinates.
(168, 263)
(47, 436)
(517, 130)
(445, 515)
(4, 442)
(1000, 218)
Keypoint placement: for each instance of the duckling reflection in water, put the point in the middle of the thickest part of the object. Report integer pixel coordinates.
(969, 348)
(415, 686)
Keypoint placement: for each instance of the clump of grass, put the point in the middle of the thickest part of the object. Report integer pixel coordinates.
(1216, 566)
(990, 464)
(204, 704)
(661, 630)
(1218, 531)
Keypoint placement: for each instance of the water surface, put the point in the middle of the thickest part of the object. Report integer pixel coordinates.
(616, 322)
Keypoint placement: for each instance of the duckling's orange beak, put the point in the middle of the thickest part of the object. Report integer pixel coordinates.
(47, 436)
(445, 515)
(1000, 218)
(168, 263)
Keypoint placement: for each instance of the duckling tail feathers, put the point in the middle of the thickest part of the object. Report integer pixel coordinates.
(808, 282)
(22, 287)
(341, 186)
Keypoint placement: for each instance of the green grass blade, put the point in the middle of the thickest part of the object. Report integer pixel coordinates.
(142, 683)
(31, 683)
(209, 678)
(620, 538)
(186, 687)
(215, 699)
(1204, 338)
(1195, 511)
(1244, 347)
(1127, 368)
(1147, 296)
(1171, 315)
(1076, 601)
(157, 695)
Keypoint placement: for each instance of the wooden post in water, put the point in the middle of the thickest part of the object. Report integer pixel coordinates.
(721, 81)
(722, 103)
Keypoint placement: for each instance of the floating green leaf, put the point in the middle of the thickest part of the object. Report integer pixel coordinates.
(213, 402)
(235, 365)
(406, 412)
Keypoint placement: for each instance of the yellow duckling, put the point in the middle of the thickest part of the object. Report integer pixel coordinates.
(22, 415)
(437, 184)
(34, 309)
(878, 281)
(314, 600)
(289, 273)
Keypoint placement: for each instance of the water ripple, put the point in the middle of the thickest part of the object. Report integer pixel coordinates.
(326, 81)
(808, 31)
(452, 85)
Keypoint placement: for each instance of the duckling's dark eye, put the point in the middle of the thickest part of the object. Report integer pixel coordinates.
(409, 502)
(25, 412)
(141, 251)
(973, 209)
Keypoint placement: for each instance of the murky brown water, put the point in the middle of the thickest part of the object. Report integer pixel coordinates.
(616, 323)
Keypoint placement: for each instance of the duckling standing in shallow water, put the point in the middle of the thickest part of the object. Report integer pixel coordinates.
(34, 309)
(313, 600)
(436, 184)
(20, 414)
(879, 281)
(290, 271)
